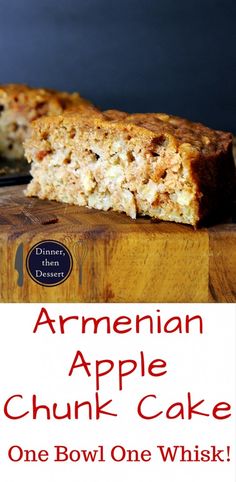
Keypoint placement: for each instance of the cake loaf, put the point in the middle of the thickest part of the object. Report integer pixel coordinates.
(141, 164)
(20, 104)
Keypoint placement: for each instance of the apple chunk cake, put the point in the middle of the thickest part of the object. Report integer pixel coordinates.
(20, 104)
(141, 164)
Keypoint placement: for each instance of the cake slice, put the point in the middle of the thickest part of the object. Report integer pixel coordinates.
(141, 164)
(20, 104)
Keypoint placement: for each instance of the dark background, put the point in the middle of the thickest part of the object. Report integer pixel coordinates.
(137, 55)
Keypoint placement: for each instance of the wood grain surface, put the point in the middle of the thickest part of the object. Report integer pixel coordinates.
(116, 259)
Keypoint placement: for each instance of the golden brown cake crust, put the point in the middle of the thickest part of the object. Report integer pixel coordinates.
(199, 136)
(201, 139)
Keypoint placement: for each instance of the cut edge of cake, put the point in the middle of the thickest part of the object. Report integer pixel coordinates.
(158, 165)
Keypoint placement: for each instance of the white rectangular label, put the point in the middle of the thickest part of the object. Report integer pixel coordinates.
(120, 391)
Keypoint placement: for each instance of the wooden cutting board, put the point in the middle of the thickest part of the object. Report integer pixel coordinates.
(115, 259)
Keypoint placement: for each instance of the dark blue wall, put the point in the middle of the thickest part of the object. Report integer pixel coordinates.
(177, 56)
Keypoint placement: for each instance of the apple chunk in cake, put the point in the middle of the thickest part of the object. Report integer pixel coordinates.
(141, 164)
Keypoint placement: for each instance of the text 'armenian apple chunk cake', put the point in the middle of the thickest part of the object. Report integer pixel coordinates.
(141, 164)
